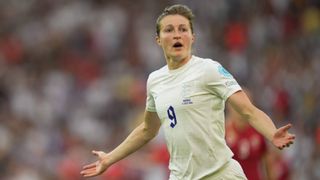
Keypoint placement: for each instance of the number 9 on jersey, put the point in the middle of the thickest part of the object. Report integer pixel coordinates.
(172, 116)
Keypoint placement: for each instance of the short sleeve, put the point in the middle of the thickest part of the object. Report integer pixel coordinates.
(219, 81)
(150, 104)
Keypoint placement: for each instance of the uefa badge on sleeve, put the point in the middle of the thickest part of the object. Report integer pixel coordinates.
(224, 72)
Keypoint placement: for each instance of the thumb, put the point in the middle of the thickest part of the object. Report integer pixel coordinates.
(285, 128)
(96, 153)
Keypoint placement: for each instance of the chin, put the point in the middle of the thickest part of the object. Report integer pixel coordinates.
(178, 56)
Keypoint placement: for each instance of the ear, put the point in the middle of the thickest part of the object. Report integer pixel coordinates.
(193, 37)
(158, 40)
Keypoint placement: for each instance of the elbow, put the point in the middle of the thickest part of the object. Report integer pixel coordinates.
(149, 133)
(153, 133)
(247, 113)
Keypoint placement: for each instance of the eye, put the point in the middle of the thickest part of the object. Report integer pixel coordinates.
(183, 29)
(168, 30)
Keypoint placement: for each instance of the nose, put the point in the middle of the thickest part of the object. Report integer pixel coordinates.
(176, 35)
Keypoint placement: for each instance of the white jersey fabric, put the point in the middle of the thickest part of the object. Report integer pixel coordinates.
(190, 103)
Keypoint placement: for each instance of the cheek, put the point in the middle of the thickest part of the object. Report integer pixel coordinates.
(165, 42)
(188, 39)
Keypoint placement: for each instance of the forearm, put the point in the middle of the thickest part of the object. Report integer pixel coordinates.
(138, 138)
(262, 123)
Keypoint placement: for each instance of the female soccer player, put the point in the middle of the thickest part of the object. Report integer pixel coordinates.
(187, 98)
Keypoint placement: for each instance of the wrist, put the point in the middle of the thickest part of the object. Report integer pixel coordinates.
(272, 135)
(106, 160)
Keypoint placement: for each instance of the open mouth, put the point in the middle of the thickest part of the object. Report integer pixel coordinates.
(177, 45)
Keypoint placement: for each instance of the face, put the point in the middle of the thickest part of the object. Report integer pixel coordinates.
(175, 37)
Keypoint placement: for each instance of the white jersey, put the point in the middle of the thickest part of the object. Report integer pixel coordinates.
(190, 103)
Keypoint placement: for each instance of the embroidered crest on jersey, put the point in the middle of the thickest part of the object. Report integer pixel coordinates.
(223, 71)
(187, 90)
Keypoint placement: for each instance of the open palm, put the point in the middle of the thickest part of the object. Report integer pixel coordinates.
(97, 167)
(282, 138)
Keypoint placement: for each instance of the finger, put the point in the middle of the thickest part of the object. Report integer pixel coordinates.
(96, 153)
(91, 174)
(90, 171)
(89, 166)
(285, 145)
(290, 139)
(288, 145)
(285, 128)
(282, 146)
(99, 154)
(290, 142)
(292, 136)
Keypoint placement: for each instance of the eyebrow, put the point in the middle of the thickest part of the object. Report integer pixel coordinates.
(170, 25)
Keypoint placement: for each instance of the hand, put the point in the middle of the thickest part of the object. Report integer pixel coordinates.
(282, 138)
(97, 167)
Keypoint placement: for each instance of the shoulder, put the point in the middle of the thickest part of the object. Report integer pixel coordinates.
(207, 63)
(157, 73)
(210, 67)
(215, 68)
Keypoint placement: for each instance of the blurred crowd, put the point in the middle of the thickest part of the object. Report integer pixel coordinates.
(73, 76)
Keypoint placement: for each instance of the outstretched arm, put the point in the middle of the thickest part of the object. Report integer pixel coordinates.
(280, 138)
(138, 138)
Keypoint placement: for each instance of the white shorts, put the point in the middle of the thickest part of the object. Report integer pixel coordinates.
(230, 171)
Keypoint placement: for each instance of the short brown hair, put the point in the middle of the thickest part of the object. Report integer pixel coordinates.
(177, 9)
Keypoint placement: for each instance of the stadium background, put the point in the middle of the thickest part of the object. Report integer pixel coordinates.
(73, 74)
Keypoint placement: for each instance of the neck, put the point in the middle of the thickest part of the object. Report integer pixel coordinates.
(175, 63)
